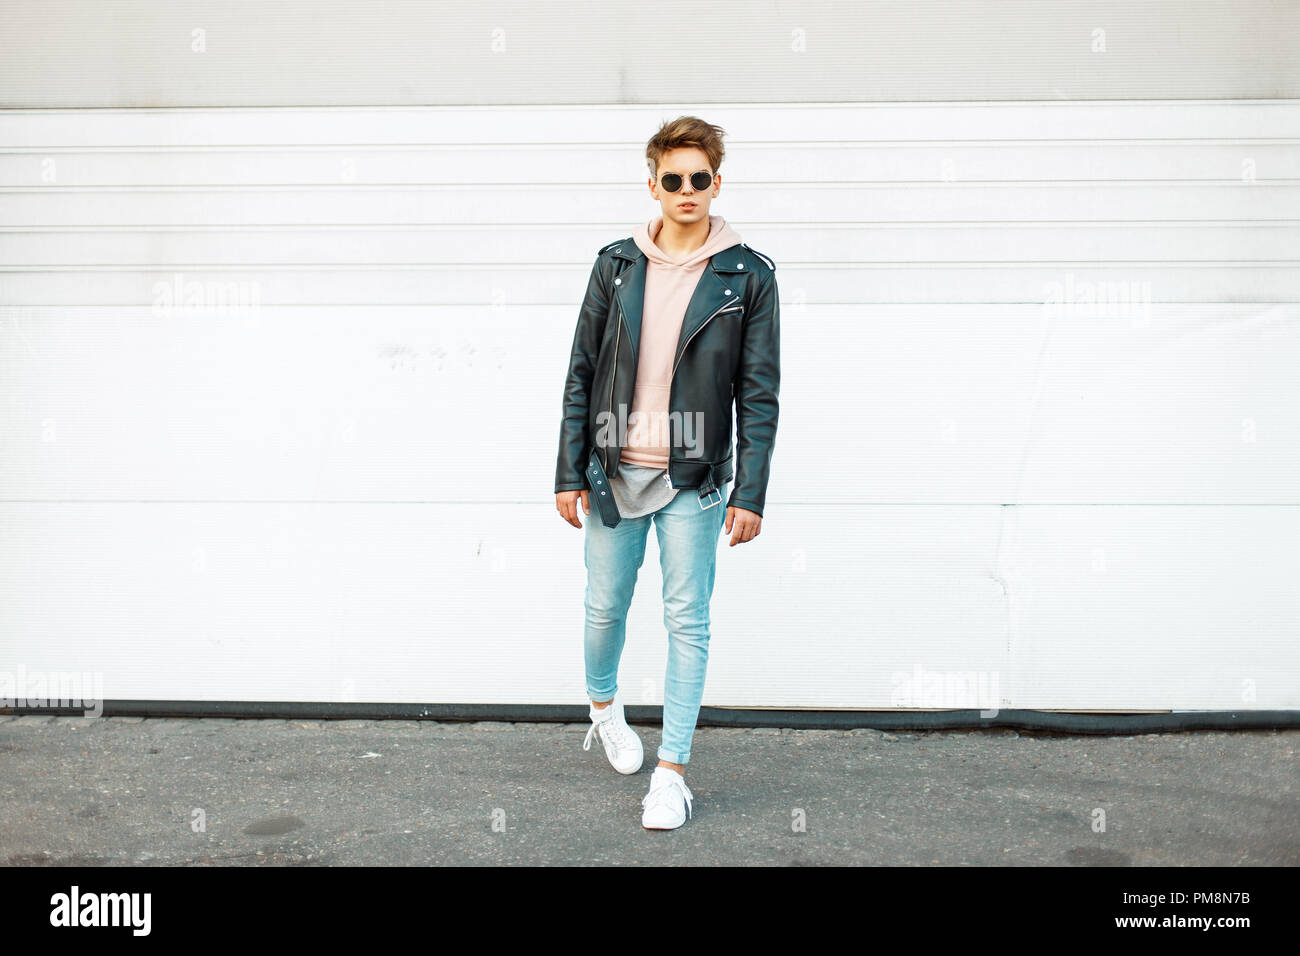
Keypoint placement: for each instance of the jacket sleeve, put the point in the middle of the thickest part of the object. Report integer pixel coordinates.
(571, 463)
(758, 383)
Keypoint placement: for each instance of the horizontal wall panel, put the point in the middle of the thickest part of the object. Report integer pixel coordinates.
(626, 127)
(534, 204)
(800, 245)
(80, 53)
(975, 404)
(1052, 607)
(607, 164)
(557, 285)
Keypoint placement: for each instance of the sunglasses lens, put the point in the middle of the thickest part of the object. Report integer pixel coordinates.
(701, 180)
(671, 182)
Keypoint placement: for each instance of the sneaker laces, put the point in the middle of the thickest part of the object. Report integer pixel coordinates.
(609, 730)
(661, 793)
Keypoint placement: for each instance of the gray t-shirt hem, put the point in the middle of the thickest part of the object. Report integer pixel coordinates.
(639, 490)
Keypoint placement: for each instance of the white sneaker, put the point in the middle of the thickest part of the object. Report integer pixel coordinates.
(622, 745)
(668, 803)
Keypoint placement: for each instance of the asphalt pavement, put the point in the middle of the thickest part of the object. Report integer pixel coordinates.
(180, 791)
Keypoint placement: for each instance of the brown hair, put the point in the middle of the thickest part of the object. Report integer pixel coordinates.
(685, 131)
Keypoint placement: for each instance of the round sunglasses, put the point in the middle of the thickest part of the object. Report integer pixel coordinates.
(673, 181)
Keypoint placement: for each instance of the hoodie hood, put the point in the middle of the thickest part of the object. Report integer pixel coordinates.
(721, 236)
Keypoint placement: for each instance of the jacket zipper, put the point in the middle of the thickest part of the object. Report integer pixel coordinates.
(618, 331)
(725, 308)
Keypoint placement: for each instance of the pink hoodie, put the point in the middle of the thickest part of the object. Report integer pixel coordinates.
(669, 285)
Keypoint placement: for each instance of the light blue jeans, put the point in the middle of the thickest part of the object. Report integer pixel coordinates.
(688, 549)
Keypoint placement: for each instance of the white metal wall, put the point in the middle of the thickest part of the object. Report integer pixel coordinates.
(219, 53)
(343, 493)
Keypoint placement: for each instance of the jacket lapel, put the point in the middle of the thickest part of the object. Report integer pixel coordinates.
(719, 283)
(712, 292)
(631, 294)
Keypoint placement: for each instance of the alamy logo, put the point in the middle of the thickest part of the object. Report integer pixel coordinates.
(37, 688)
(641, 429)
(102, 909)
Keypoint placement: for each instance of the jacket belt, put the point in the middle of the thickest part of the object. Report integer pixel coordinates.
(608, 507)
(709, 491)
(601, 493)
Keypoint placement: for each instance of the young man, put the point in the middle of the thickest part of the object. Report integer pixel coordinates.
(679, 320)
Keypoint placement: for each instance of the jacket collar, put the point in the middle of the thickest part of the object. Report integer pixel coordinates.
(721, 283)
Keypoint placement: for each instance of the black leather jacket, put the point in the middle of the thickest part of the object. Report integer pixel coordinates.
(728, 349)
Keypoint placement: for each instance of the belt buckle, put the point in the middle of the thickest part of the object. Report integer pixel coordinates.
(715, 491)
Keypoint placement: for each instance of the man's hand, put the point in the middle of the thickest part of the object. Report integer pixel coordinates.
(748, 524)
(566, 503)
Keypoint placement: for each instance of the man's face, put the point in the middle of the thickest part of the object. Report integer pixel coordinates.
(684, 162)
